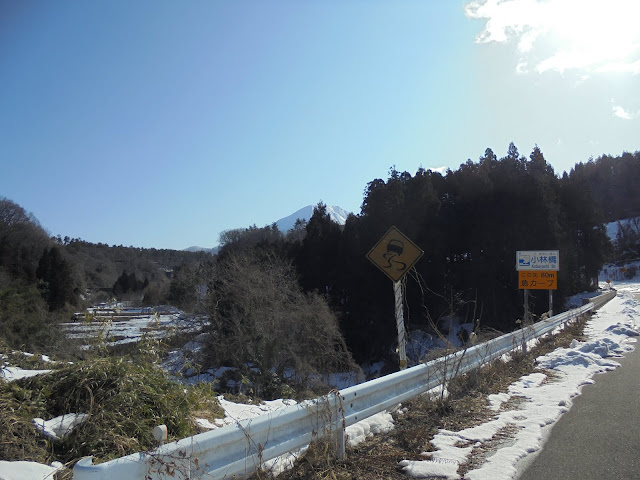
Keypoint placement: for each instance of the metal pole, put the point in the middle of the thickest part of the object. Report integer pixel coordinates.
(525, 320)
(402, 352)
(550, 303)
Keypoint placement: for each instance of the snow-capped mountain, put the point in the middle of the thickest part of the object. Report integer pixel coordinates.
(337, 214)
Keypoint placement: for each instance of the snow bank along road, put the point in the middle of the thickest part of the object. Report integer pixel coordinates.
(541, 400)
(600, 436)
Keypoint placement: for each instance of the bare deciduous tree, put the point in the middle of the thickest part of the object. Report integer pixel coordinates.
(261, 318)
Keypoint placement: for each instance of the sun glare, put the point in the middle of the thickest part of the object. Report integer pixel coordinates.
(593, 35)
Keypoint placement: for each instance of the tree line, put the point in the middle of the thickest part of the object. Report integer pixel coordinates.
(469, 222)
(44, 279)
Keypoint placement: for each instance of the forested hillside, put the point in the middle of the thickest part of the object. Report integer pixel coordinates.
(35, 280)
(613, 183)
(469, 222)
(99, 266)
(43, 280)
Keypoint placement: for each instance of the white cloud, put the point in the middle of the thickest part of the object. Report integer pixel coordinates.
(522, 67)
(505, 19)
(583, 35)
(620, 112)
(633, 68)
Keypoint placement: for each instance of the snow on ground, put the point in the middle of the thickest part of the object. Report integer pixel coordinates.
(16, 373)
(236, 412)
(183, 365)
(537, 401)
(612, 227)
(10, 373)
(540, 402)
(118, 330)
(420, 344)
(28, 470)
(59, 427)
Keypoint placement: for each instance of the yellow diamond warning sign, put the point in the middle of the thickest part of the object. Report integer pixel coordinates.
(395, 254)
(538, 280)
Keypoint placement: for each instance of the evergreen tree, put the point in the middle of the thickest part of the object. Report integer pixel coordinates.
(319, 257)
(56, 280)
(470, 224)
(128, 283)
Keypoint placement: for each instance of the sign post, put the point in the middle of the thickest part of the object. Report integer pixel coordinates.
(537, 270)
(402, 335)
(395, 255)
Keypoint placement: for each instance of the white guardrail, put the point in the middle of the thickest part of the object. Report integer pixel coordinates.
(240, 449)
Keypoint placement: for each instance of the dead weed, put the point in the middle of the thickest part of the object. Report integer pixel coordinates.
(421, 418)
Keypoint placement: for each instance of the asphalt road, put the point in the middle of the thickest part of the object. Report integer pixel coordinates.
(599, 437)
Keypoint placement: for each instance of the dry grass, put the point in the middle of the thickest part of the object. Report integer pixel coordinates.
(421, 418)
(127, 398)
(373, 459)
(125, 401)
(17, 435)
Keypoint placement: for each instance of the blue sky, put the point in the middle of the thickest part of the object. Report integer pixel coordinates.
(160, 123)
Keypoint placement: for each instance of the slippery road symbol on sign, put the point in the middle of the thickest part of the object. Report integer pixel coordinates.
(395, 254)
(395, 248)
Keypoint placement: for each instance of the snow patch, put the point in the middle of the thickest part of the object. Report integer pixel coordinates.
(59, 427)
(541, 402)
(28, 470)
(379, 423)
(15, 373)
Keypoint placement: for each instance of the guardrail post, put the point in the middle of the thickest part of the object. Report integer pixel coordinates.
(340, 426)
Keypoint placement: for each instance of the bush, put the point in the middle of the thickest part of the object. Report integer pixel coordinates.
(263, 324)
(25, 322)
(125, 402)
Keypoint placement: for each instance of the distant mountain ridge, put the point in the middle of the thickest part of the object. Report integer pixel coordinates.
(337, 214)
(195, 248)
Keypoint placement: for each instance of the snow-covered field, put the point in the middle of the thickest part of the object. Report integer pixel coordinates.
(120, 330)
(541, 402)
